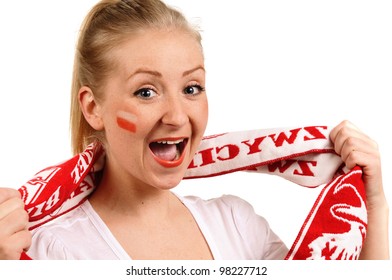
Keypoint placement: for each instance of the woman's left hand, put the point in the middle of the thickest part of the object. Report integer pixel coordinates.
(356, 148)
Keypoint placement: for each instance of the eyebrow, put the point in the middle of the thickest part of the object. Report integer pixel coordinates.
(158, 74)
(186, 73)
(145, 71)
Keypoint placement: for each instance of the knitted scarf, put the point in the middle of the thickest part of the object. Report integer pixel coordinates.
(335, 227)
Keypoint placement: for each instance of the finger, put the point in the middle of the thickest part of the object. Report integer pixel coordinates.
(7, 193)
(15, 245)
(346, 128)
(335, 131)
(352, 144)
(344, 136)
(371, 167)
(354, 158)
(10, 205)
(23, 238)
(14, 222)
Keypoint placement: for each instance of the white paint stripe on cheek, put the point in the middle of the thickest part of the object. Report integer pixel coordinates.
(127, 116)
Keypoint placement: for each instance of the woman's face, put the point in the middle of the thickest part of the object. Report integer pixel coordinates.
(154, 109)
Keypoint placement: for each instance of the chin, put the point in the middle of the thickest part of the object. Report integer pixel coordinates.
(168, 183)
(171, 184)
(167, 178)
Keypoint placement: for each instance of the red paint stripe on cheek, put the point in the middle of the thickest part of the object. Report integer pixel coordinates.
(127, 125)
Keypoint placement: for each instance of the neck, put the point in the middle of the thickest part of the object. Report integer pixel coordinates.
(134, 199)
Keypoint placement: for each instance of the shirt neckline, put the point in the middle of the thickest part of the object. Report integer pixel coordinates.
(120, 252)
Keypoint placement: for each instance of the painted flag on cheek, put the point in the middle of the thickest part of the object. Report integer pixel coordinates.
(126, 121)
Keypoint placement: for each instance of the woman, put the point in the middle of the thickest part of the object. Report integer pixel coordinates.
(139, 89)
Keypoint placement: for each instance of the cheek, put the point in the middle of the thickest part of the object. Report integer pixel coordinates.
(127, 121)
(203, 114)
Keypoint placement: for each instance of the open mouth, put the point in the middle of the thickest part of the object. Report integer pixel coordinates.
(169, 153)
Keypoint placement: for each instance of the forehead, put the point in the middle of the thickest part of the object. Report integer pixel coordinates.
(158, 49)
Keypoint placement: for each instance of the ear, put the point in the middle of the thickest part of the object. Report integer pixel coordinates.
(90, 108)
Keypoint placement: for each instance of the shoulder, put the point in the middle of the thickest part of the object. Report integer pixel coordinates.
(234, 221)
(49, 241)
(225, 204)
(63, 237)
(221, 201)
(231, 211)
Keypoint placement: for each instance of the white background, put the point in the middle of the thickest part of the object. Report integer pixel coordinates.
(269, 64)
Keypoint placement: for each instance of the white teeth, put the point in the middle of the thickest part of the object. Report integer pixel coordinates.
(171, 142)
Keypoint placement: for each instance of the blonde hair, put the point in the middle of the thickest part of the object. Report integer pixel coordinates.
(108, 24)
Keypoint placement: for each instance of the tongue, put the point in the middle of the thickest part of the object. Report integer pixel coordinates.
(164, 151)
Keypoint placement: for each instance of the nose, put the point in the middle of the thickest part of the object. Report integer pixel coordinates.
(176, 113)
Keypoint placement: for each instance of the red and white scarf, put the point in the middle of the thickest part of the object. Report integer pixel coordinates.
(335, 227)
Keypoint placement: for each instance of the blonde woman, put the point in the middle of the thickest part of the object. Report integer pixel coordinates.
(139, 89)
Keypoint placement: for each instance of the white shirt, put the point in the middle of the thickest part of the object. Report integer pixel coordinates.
(229, 224)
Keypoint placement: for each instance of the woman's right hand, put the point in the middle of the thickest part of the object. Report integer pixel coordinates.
(14, 234)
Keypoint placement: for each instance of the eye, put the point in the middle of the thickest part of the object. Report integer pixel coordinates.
(145, 93)
(194, 90)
